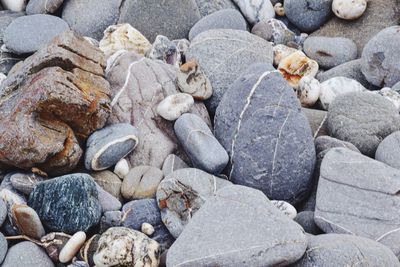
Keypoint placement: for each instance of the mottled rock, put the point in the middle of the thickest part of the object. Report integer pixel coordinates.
(141, 182)
(309, 91)
(173, 106)
(43, 6)
(163, 49)
(285, 208)
(306, 220)
(349, 10)
(89, 249)
(109, 182)
(72, 247)
(27, 221)
(121, 168)
(387, 151)
(273, 30)
(390, 95)
(25, 182)
(26, 254)
(256, 10)
(172, 163)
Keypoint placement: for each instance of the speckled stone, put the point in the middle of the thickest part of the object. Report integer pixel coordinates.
(3, 247)
(43, 6)
(26, 254)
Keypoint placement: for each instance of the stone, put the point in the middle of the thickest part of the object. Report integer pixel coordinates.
(56, 72)
(182, 45)
(89, 249)
(6, 17)
(68, 203)
(7, 61)
(14, 5)
(25, 182)
(91, 17)
(326, 142)
(335, 87)
(138, 85)
(3, 247)
(285, 208)
(121, 168)
(308, 15)
(138, 13)
(380, 58)
(227, 230)
(309, 91)
(279, 9)
(105, 147)
(390, 95)
(173, 106)
(222, 19)
(147, 229)
(182, 193)
(224, 54)
(172, 163)
(363, 119)
(359, 203)
(349, 10)
(330, 52)
(120, 246)
(109, 182)
(43, 6)
(72, 247)
(284, 170)
(123, 37)
(110, 219)
(206, 7)
(256, 10)
(3, 212)
(53, 243)
(204, 150)
(192, 80)
(396, 87)
(141, 182)
(387, 151)
(27, 34)
(306, 220)
(281, 51)
(163, 49)
(27, 221)
(273, 30)
(26, 254)
(107, 201)
(78, 264)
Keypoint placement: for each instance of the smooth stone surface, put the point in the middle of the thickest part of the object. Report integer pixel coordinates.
(25, 182)
(256, 10)
(207, 7)
(285, 208)
(390, 95)
(109, 182)
(349, 10)
(27, 221)
(72, 247)
(27, 34)
(173, 106)
(388, 150)
(121, 168)
(6, 17)
(273, 30)
(147, 229)
(26, 254)
(14, 5)
(227, 231)
(43, 6)
(363, 119)
(306, 220)
(396, 87)
(105, 147)
(163, 49)
(141, 182)
(278, 159)
(326, 142)
(68, 203)
(3, 211)
(3, 247)
(309, 91)
(107, 201)
(173, 163)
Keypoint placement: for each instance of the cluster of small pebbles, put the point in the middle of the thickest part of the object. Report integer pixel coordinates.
(145, 133)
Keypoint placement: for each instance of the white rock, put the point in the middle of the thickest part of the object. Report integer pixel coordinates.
(173, 106)
(121, 168)
(389, 94)
(285, 207)
(14, 5)
(335, 86)
(147, 229)
(308, 91)
(256, 10)
(279, 9)
(72, 247)
(349, 9)
(281, 51)
(2, 77)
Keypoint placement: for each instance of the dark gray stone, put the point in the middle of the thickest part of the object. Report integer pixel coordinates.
(27, 34)
(43, 6)
(110, 219)
(27, 254)
(207, 7)
(275, 31)
(224, 54)
(330, 52)
(326, 142)
(308, 15)
(317, 120)
(223, 19)
(238, 226)
(173, 163)
(3, 247)
(278, 159)
(7, 61)
(68, 203)
(6, 17)
(306, 220)
(363, 119)
(388, 150)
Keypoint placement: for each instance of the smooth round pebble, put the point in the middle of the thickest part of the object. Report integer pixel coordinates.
(147, 229)
(27, 221)
(309, 91)
(349, 10)
(173, 106)
(14, 5)
(43, 6)
(27, 254)
(72, 247)
(285, 207)
(121, 168)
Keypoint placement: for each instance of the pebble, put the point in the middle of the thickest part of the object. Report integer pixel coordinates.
(105, 147)
(390, 95)
(43, 6)
(3, 211)
(281, 51)
(172, 163)
(26, 254)
(207, 7)
(309, 91)
(110, 219)
(202, 147)
(326, 142)
(121, 168)
(279, 9)
(6, 17)
(387, 151)
(173, 106)
(306, 220)
(147, 229)
(123, 37)
(27, 221)
(163, 49)
(109, 181)
(78, 264)
(285, 208)
(3, 247)
(349, 10)
(274, 30)
(27, 34)
(25, 182)
(14, 5)
(2, 77)
(72, 247)
(89, 249)
(107, 201)
(182, 45)
(53, 243)
(256, 10)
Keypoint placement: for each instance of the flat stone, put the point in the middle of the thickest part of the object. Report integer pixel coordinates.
(27, 221)
(107, 201)
(306, 220)
(43, 6)
(173, 106)
(256, 10)
(109, 182)
(25, 182)
(26, 254)
(172, 163)
(227, 230)
(387, 151)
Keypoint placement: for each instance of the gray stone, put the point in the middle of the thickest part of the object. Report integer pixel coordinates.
(3, 212)
(308, 15)
(223, 19)
(27, 254)
(43, 6)
(109, 181)
(388, 150)
(3, 247)
(326, 142)
(25, 182)
(317, 120)
(306, 220)
(163, 49)
(275, 31)
(238, 226)
(330, 52)
(256, 10)
(224, 54)
(363, 119)
(278, 159)
(358, 195)
(27, 34)
(7, 61)
(204, 150)
(91, 17)
(181, 194)
(110, 219)
(396, 87)
(6, 17)
(173, 163)
(107, 201)
(381, 58)
(207, 7)
(334, 250)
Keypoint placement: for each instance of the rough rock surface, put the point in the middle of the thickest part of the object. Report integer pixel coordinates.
(207, 7)
(27, 254)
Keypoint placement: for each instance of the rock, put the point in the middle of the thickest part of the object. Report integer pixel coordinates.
(163, 49)
(206, 7)
(27, 221)
(284, 170)
(25, 182)
(330, 52)
(390, 95)
(222, 19)
(138, 13)
(141, 182)
(326, 142)
(396, 87)
(26, 254)
(76, 78)
(359, 203)
(27, 34)
(121, 168)
(3, 247)
(255, 10)
(110, 219)
(181, 194)
(182, 45)
(89, 249)
(224, 54)
(107, 201)
(285, 207)
(173, 163)
(204, 150)
(227, 231)
(72, 247)
(3, 212)
(43, 6)
(147, 229)
(109, 182)
(78, 264)
(123, 37)
(387, 151)
(281, 51)
(380, 58)
(363, 119)
(53, 244)
(309, 91)
(308, 15)
(68, 203)
(6, 17)
(7, 61)
(279, 9)
(14, 5)
(192, 80)
(120, 246)
(306, 220)
(91, 17)
(173, 106)
(273, 30)
(335, 87)
(349, 10)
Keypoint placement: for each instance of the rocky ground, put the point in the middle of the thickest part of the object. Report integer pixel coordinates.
(199, 133)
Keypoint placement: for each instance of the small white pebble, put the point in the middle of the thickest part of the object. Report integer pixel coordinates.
(147, 229)
(286, 208)
(173, 106)
(121, 168)
(279, 9)
(72, 247)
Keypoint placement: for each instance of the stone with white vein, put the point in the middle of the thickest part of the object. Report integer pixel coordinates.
(256, 10)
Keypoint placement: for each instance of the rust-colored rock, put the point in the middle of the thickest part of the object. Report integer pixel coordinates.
(50, 102)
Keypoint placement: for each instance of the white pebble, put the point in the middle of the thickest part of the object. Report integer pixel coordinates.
(349, 9)
(14, 5)
(279, 9)
(2, 77)
(286, 208)
(72, 247)
(121, 168)
(390, 95)
(308, 91)
(147, 229)
(173, 106)
(281, 51)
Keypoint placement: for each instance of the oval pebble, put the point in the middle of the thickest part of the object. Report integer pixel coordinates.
(286, 208)
(349, 10)
(27, 221)
(173, 106)
(121, 168)
(147, 229)
(309, 91)
(72, 247)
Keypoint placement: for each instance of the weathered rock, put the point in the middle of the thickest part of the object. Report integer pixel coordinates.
(27, 221)
(172, 163)
(26, 254)
(278, 159)
(306, 220)
(273, 30)
(387, 151)
(281, 51)
(182, 45)
(141, 182)
(43, 6)
(72, 247)
(349, 10)
(109, 182)
(227, 230)
(165, 50)
(89, 249)
(25, 182)
(256, 10)
(3, 247)
(173, 106)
